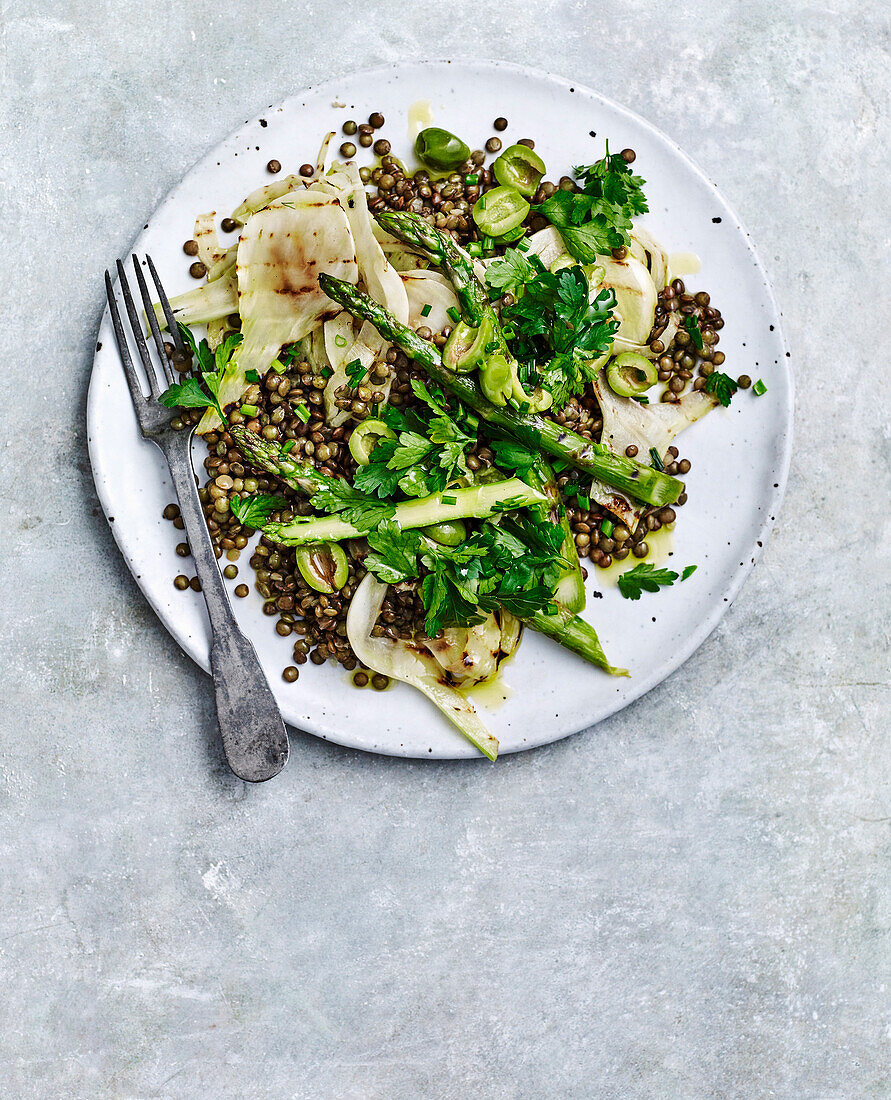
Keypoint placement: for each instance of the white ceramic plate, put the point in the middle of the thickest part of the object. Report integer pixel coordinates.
(740, 456)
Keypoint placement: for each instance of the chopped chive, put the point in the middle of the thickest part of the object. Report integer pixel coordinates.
(551, 609)
(508, 332)
(252, 376)
(656, 461)
(326, 372)
(303, 412)
(488, 244)
(278, 366)
(248, 410)
(450, 500)
(340, 341)
(472, 179)
(453, 315)
(491, 346)
(641, 399)
(425, 312)
(482, 202)
(759, 388)
(289, 446)
(523, 245)
(607, 527)
(474, 249)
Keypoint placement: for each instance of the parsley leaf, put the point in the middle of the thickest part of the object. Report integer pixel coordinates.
(338, 497)
(513, 456)
(722, 386)
(598, 219)
(510, 272)
(558, 331)
(188, 394)
(644, 578)
(255, 510)
(394, 556)
(689, 570)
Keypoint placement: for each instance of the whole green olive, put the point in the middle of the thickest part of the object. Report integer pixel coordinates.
(440, 149)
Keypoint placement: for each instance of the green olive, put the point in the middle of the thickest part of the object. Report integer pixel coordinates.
(630, 374)
(365, 438)
(520, 168)
(441, 150)
(496, 379)
(451, 532)
(499, 211)
(323, 565)
(466, 347)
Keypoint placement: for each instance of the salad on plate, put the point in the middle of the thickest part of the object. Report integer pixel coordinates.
(440, 395)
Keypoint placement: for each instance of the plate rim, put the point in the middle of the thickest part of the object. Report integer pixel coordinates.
(724, 598)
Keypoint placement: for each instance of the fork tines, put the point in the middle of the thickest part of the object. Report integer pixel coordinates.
(156, 384)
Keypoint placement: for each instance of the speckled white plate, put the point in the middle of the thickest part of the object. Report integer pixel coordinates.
(740, 456)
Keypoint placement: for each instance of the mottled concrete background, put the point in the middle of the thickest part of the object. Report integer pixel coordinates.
(691, 900)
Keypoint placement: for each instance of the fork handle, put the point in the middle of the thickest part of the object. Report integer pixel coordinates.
(255, 739)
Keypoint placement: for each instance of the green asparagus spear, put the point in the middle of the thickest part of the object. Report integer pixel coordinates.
(638, 481)
(268, 456)
(475, 502)
(574, 633)
(440, 249)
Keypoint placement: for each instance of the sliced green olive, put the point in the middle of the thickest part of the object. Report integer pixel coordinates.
(365, 438)
(451, 532)
(563, 260)
(496, 379)
(441, 150)
(499, 211)
(630, 374)
(466, 346)
(323, 565)
(520, 168)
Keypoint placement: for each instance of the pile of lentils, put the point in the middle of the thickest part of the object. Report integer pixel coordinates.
(316, 621)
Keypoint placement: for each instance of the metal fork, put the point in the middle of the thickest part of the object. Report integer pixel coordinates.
(254, 736)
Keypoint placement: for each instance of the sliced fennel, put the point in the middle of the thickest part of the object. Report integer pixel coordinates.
(404, 661)
(264, 195)
(429, 288)
(206, 303)
(339, 340)
(651, 254)
(282, 251)
(626, 422)
(468, 654)
(210, 251)
(635, 295)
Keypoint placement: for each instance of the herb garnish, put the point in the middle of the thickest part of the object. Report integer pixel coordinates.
(722, 386)
(557, 331)
(255, 510)
(188, 394)
(598, 219)
(647, 578)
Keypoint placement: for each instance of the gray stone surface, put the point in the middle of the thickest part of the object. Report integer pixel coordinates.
(691, 900)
